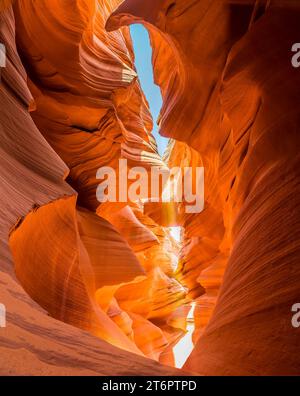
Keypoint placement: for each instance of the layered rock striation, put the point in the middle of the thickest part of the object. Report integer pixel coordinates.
(77, 107)
(71, 102)
(230, 98)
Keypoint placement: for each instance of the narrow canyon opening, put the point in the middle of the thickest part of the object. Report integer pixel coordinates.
(144, 65)
(115, 287)
(129, 293)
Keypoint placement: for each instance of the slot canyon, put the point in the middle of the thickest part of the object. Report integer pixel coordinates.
(104, 288)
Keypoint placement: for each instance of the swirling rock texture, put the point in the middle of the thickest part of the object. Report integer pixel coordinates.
(79, 107)
(71, 103)
(231, 98)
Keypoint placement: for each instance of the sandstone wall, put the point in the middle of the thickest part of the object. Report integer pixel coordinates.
(231, 94)
(77, 107)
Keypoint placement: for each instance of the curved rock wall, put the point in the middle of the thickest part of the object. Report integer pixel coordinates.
(232, 97)
(81, 91)
(231, 104)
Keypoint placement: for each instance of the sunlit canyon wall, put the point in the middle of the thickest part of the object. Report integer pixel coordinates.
(71, 103)
(107, 270)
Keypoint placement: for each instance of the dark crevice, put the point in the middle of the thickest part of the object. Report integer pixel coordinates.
(170, 8)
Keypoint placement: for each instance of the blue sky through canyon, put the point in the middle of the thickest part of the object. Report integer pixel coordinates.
(143, 63)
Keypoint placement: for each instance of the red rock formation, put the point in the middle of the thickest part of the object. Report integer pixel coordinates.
(230, 105)
(230, 93)
(69, 260)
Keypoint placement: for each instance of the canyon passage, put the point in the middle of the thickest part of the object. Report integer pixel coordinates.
(137, 287)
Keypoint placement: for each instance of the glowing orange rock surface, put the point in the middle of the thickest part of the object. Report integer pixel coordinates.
(69, 260)
(231, 94)
(71, 103)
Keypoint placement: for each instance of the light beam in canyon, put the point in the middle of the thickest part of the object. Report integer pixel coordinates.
(185, 346)
(93, 289)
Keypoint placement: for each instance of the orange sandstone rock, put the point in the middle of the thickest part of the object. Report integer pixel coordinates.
(230, 93)
(231, 105)
(65, 272)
